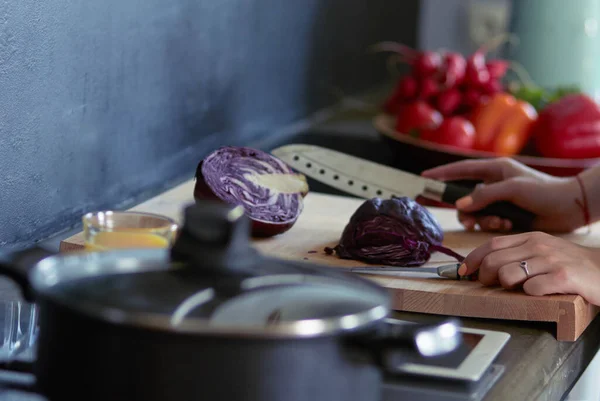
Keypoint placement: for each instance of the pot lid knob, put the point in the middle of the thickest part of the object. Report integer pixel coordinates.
(215, 237)
(216, 223)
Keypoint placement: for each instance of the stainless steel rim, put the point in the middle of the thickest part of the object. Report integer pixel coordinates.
(56, 270)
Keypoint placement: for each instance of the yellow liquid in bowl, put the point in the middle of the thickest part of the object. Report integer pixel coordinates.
(119, 240)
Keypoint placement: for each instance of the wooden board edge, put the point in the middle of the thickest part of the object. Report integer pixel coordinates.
(67, 246)
(574, 318)
(571, 317)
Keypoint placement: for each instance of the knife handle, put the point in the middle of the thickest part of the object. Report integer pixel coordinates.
(521, 219)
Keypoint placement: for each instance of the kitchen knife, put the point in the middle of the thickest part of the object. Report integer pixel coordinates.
(367, 179)
(447, 271)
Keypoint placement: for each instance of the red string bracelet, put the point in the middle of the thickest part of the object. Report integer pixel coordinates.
(584, 206)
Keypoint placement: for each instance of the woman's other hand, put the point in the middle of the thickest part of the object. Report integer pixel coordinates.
(554, 265)
(552, 199)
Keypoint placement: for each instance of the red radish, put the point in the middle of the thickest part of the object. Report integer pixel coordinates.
(491, 87)
(448, 101)
(477, 70)
(426, 64)
(405, 91)
(417, 116)
(497, 68)
(472, 97)
(475, 75)
(455, 65)
(408, 87)
(429, 88)
(453, 131)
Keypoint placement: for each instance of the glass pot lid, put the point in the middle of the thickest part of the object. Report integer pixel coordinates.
(212, 281)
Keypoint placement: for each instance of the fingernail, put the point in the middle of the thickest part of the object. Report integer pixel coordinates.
(462, 270)
(469, 223)
(495, 223)
(464, 202)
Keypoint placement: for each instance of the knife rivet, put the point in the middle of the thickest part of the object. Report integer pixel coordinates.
(378, 192)
(365, 188)
(350, 182)
(322, 171)
(335, 177)
(296, 158)
(308, 165)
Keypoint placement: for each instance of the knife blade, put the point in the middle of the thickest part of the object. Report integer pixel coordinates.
(449, 271)
(367, 179)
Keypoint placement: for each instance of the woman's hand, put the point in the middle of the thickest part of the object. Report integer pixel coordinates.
(555, 266)
(552, 199)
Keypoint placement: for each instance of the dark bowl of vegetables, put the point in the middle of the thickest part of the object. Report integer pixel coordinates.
(450, 108)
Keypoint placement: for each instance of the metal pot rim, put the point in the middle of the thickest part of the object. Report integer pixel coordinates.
(55, 270)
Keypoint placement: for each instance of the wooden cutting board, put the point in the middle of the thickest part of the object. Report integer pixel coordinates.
(321, 225)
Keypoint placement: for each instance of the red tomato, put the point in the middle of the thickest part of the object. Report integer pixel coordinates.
(417, 116)
(454, 131)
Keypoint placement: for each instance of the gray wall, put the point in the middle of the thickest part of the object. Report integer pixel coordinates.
(445, 24)
(103, 103)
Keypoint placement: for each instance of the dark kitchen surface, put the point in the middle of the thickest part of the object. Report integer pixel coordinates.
(537, 367)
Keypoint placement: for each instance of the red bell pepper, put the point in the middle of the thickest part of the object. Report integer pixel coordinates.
(503, 125)
(569, 128)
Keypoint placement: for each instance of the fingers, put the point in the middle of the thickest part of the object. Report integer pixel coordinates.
(546, 284)
(486, 223)
(507, 248)
(513, 275)
(494, 223)
(512, 190)
(474, 259)
(503, 266)
(481, 169)
(468, 221)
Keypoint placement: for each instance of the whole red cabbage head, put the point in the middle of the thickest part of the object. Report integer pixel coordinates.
(397, 232)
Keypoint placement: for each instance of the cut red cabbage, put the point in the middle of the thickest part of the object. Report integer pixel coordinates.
(270, 192)
(395, 232)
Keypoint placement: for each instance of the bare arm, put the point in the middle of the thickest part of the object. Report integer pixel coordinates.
(590, 179)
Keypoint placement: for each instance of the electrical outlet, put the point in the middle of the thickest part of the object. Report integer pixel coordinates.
(487, 20)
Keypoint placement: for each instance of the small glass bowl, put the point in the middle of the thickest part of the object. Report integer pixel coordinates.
(108, 230)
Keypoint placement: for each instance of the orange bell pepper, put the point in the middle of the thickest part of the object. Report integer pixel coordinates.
(503, 124)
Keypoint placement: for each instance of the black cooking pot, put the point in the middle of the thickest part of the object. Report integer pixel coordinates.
(212, 319)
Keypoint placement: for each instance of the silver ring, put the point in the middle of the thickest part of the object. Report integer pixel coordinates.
(523, 265)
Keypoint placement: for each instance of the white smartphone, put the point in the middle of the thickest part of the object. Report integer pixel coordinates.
(468, 363)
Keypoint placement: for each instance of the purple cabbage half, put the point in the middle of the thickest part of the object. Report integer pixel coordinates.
(270, 192)
(395, 232)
